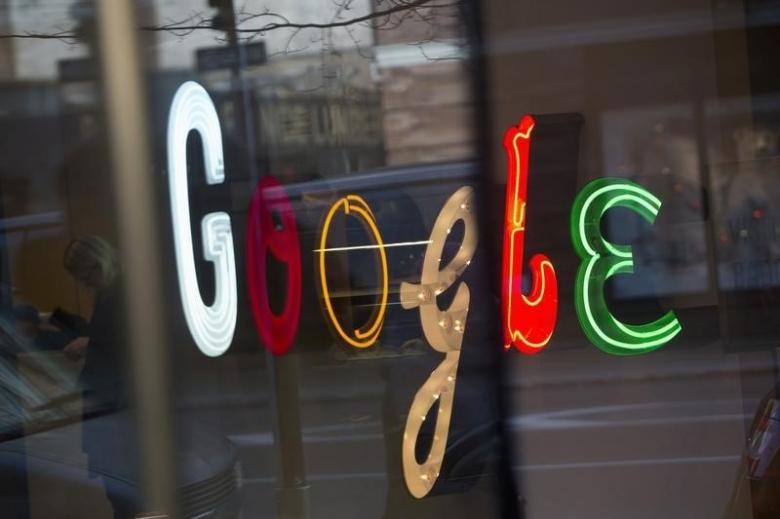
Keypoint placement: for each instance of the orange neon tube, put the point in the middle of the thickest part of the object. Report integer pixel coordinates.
(367, 334)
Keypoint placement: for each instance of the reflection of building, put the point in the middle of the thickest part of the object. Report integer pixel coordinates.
(326, 103)
(320, 126)
(36, 59)
(175, 51)
(54, 166)
(426, 97)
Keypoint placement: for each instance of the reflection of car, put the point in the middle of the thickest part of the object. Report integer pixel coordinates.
(758, 484)
(207, 466)
(405, 202)
(763, 459)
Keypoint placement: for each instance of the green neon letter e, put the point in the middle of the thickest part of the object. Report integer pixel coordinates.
(602, 259)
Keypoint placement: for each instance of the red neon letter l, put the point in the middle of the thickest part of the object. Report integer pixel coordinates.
(529, 321)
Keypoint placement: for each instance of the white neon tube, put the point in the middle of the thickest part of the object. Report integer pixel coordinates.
(212, 326)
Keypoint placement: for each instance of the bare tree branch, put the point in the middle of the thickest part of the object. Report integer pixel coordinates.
(68, 36)
(287, 24)
(385, 18)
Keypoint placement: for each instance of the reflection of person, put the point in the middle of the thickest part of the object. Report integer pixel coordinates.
(93, 263)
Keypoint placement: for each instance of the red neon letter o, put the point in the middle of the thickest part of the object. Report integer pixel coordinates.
(276, 331)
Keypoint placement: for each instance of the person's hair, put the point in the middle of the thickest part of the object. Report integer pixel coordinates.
(85, 255)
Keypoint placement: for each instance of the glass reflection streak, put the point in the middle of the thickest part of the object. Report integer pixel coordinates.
(444, 331)
(212, 327)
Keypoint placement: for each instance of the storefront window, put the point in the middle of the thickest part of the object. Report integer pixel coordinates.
(673, 282)
(388, 258)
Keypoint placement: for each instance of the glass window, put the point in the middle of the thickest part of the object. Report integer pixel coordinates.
(388, 258)
(655, 396)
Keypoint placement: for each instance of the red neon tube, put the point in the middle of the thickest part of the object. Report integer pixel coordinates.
(276, 331)
(529, 321)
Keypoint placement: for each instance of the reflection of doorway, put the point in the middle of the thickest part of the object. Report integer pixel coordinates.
(746, 216)
(34, 252)
(48, 198)
(658, 148)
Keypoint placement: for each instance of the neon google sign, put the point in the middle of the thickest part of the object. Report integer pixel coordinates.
(528, 320)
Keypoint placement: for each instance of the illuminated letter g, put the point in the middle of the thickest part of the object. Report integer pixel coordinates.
(211, 326)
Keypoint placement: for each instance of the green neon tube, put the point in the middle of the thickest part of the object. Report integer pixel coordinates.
(602, 260)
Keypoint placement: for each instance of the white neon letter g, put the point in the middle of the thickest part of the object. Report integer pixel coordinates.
(212, 326)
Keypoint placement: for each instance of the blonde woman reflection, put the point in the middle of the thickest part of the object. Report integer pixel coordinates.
(93, 263)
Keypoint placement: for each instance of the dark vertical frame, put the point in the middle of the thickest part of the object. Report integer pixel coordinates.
(138, 223)
(478, 62)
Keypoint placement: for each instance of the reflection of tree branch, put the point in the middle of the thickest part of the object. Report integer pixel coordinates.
(246, 17)
(179, 28)
(287, 24)
(66, 36)
(357, 43)
(387, 18)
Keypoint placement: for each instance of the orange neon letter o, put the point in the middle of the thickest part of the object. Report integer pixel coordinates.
(366, 335)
